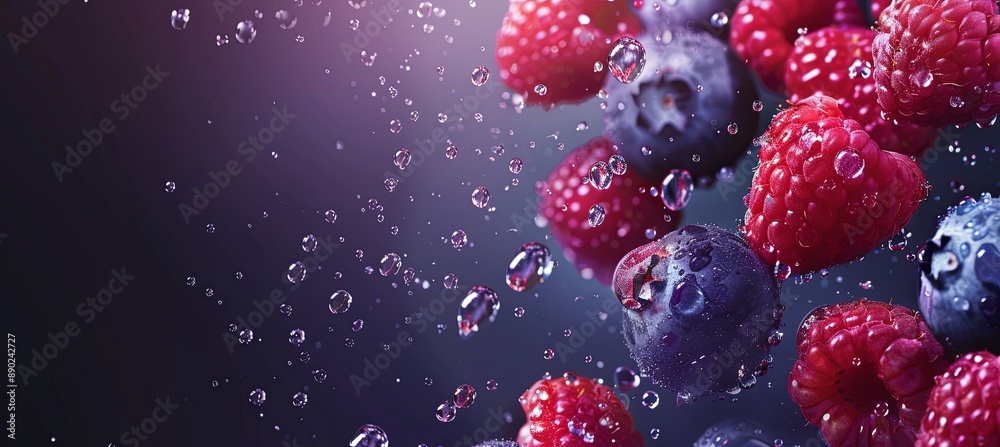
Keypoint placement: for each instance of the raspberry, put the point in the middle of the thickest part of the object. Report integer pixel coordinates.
(764, 31)
(824, 193)
(937, 62)
(574, 411)
(864, 372)
(964, 405)
(628, 209)
(556, 44)
(836, 62)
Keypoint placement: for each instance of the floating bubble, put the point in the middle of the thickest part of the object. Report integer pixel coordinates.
(245, 31)
(478, 309)
(179, 18)
(676, 189)
(296, 272)
(601, 175)
(480, 197)
(402, 158)
(595, 217)
(531, 266)
(390, 264)
(626, 59)
(480, 75)
(340, 302)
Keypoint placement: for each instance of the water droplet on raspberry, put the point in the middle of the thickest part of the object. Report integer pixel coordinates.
(849, 164)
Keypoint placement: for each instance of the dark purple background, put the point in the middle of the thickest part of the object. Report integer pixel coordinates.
(160, 338)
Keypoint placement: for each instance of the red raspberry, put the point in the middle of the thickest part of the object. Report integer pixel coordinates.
(864, 373)
(763, 32)
(556, 44)
(575, 411)
(824, 193)
(824, 62)
(964, 406)
(630, 211)
(937, 62)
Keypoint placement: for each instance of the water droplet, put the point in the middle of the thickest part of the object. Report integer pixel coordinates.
(733, 128)
(245, 31)
(424, 9)
(492, 385)
(956, 102)
(626, 59)
(465, 396)
(297, 337)
(390, 264)
(340, 302)
(720, 19)
(178, 18)
(541, 89)
(518, 311)
(480, 197)
(450, 281)
(246, 336)
(286, 20)
(459, 239)
(221, 39)
(300, 399)
(676, 189)
(626, 379)
(595, 217)
(451, 152)
(618, 164)
(402, 158)
(395, 126)
(650, 399)
(478, 309)
(319, 375)
(898, 242)
(881, 409)
(849, 164)
(758, 106)
(480, 75)
(354, 24)
(601, 175)
(296, 272)
(515, 165)
(370, 435)
(446, 412)
(170, 187)
(531, 266)
(781, 270)
(257, 397)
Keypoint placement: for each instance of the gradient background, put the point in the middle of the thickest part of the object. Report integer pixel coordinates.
(161, 338)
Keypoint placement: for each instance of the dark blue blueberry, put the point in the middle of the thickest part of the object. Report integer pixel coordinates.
(699, 308)
(960, 276)
(736, 433)
(684, 107)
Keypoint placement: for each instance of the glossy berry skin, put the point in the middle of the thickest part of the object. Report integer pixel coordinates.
(824, 193)
(937, 62)
(700, 307)
(556, 44)
(964, 405)
(960, 277)
(682, 127)
(823, 62)
(763, 32)
(864, 372)
(736, 433)
(630, 209)
(573, 411)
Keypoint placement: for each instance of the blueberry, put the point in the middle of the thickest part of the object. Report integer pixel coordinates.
(703, 15)
(960, 277)
(736, 433)
(700, 306)
(691, 108)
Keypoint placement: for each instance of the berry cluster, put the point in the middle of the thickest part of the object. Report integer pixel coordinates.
(836, 177)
